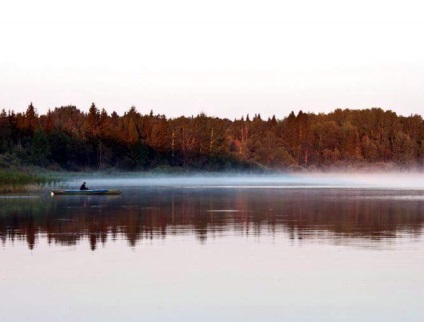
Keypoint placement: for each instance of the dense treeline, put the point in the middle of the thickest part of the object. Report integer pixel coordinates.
(67, 138)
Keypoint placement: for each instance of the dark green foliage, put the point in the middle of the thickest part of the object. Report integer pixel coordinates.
(40, 149)
(67, 138)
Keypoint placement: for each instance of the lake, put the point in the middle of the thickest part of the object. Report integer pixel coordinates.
(268, 248)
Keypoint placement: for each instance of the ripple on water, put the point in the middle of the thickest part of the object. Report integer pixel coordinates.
(401, 197)
(223, 210)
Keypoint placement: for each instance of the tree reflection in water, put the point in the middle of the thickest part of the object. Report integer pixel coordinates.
(139, 214)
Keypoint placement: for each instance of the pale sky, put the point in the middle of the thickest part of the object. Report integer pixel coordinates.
(224, 58)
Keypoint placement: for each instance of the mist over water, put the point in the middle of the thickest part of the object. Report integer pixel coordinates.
(334, 208)
(393, 181)
(299, 247)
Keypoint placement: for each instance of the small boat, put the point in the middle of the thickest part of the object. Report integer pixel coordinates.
(85, 192)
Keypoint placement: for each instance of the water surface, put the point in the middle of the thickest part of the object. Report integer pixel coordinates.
(234, 250)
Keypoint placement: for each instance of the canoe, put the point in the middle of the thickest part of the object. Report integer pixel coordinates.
(85, 192)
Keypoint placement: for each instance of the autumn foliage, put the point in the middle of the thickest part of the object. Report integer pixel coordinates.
(67, 138)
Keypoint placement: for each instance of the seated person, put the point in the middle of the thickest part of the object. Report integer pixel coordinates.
(83, 187)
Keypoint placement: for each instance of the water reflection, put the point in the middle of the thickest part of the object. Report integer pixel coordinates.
(325, 214)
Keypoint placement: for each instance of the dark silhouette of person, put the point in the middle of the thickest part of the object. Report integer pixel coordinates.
(83, 187)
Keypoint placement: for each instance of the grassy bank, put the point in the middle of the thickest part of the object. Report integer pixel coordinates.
(22, 181)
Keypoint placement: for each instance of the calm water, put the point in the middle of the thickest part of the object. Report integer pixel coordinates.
(205, 251)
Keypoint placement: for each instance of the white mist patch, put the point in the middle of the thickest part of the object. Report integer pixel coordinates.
(386, 181)
(408, 181)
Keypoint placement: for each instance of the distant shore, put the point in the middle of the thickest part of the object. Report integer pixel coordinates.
(68, 139)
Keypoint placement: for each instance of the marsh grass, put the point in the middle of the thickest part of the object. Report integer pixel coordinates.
(12, 181)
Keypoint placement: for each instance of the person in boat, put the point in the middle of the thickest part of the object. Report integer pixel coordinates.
(83, 186)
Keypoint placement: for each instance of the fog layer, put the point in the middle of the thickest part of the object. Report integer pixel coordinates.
(413, 181)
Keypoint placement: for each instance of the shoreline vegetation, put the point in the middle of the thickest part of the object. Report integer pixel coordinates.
(20, 180)
(67, 140)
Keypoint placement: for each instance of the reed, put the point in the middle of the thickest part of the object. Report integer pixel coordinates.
(19, 181)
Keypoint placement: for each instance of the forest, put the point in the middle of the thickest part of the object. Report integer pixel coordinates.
(69, 139)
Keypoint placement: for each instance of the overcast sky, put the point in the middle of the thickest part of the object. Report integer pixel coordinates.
(224, 58)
